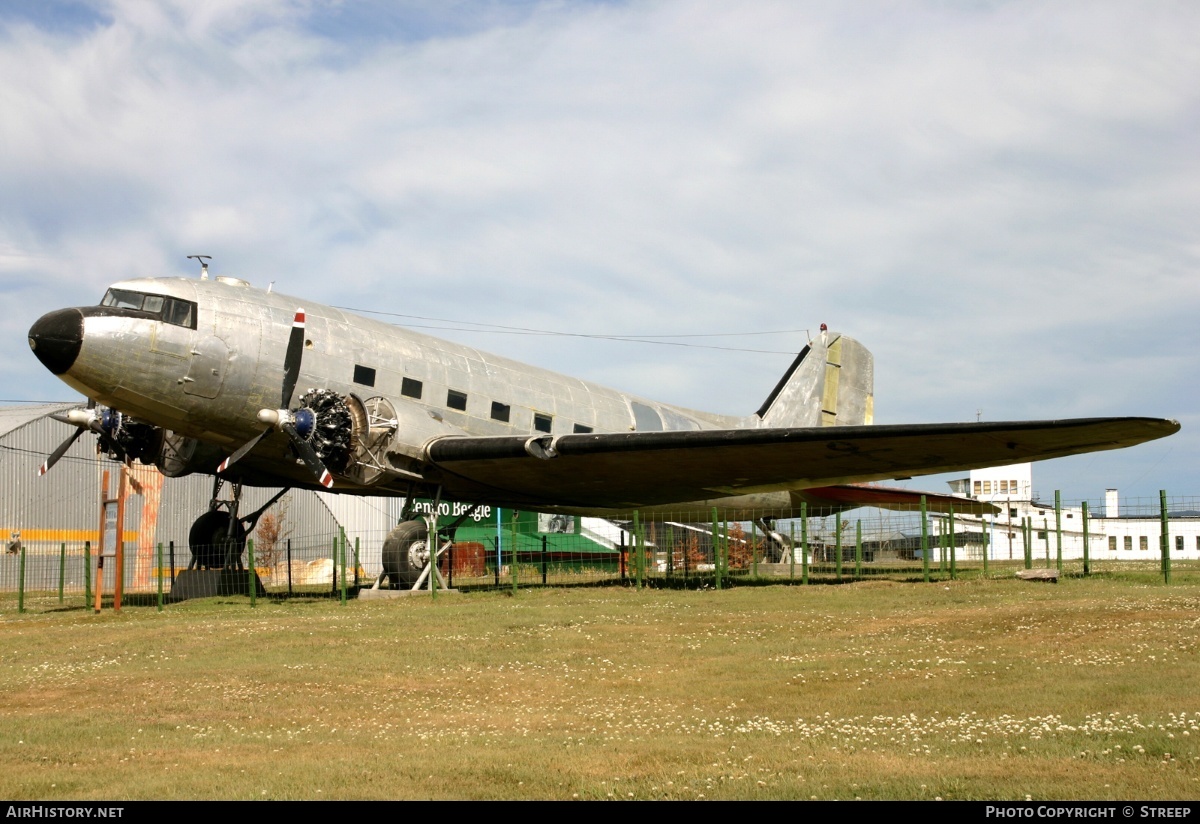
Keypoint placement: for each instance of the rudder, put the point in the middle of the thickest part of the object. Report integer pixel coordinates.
(830, 383)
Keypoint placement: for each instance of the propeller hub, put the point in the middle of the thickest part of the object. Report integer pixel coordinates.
(305, 422)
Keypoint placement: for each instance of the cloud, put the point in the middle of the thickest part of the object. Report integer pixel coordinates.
(1001, 201)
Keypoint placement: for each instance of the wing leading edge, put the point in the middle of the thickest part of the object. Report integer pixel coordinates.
(631, 469)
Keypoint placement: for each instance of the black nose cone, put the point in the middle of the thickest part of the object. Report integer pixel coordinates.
(56, 338)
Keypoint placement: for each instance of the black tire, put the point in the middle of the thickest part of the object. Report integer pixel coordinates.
(208, 540)
(406, 540)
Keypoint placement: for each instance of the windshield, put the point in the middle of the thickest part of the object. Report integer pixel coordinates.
(171, 310)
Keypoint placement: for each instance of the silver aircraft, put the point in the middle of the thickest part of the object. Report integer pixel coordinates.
(255, 387)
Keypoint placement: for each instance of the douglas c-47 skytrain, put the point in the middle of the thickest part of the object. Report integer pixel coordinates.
(201, 375)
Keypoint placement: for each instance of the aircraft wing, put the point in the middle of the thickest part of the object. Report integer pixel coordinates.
(632, 469)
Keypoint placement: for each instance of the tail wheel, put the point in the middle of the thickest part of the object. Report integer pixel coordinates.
(406, 552)
(210, 542)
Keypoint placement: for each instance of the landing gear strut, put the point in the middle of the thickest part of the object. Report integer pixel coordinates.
(408, 552)
(217, 540)
(778, 545)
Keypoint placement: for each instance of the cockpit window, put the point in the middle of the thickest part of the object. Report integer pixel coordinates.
(172, 310)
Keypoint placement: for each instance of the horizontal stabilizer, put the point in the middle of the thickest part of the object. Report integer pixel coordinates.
(825, 499)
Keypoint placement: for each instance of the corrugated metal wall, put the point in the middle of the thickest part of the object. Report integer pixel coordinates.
(63, 506)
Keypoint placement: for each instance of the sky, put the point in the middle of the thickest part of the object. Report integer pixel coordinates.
(1001, 200)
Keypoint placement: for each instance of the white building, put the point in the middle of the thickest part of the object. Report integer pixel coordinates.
(1111, 535)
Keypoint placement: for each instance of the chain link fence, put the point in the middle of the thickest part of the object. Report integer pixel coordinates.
(1143, 539)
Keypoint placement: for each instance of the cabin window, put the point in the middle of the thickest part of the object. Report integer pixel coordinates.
(1112, 543)
(581, 429)
(1143, 542)
(978, 488)
(500, 411)
(410, 388)
(456, 400)
(364, 375)
(1129, 543)
(1012, 513)
(1179, 543)
(541, 422)
(158, 307)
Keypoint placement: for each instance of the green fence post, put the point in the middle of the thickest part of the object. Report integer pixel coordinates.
(792, 550)
(513, 565)
(1058, 529)
(342, 530)
(803, 543)
(837, 529)
(21, 581)
(754, 550)
(333, 557)
(723, 567)
(62, 569)
(356, 563)
(984, 530)
(638, 547)
(250, 574)
(1027, 536)
(1046, 536)
(716, 551)
(1087, 561)
(925, 538)
(158, 560)
(1165, 540)
(953, 548)
(544, 541)
(87, 573)
(670, 552)
(858, 549)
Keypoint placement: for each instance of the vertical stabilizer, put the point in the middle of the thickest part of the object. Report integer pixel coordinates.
(831, 383)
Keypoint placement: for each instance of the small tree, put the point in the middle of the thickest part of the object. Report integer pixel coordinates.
(695, 556)
(270, 537)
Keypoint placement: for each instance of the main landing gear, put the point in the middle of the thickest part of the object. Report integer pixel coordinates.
(217, 541)
(408, 556)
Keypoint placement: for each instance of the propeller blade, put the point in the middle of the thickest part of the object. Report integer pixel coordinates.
(243, 449)
(291, 373)
(309, 456)
(291, 360)
(58, 453)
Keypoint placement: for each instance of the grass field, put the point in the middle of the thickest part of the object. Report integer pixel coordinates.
(981, 689)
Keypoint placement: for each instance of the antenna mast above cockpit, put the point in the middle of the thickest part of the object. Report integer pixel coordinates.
(203, 265)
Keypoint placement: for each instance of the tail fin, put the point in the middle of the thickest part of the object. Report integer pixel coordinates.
(831, 383)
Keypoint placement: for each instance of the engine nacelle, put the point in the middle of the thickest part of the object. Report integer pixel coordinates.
(180, 455)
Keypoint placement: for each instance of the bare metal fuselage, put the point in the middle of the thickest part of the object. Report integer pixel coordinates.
(209, 383)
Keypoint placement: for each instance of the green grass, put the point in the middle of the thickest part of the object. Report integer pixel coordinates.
(994, 689)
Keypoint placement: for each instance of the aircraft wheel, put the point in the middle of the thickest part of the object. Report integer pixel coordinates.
(209, 539)
(405, 553)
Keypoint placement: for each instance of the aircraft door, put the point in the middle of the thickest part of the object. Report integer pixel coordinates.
(206, 373)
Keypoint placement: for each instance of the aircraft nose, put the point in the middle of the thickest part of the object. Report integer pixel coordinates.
(56, 338)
